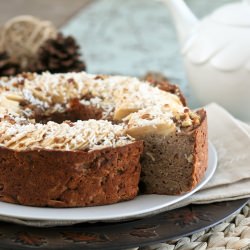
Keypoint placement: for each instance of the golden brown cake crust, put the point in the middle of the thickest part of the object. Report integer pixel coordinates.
(70, 178)
(200, 149)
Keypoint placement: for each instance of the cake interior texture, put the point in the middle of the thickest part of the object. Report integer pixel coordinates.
(174, 164)
(76, 139)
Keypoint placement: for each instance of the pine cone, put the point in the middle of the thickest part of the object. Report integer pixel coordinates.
(8, 66)
(59, 55)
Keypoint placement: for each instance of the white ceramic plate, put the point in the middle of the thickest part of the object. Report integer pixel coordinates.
(141, 206)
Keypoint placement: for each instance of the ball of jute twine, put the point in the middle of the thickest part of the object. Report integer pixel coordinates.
(22, 36)
(232, 234)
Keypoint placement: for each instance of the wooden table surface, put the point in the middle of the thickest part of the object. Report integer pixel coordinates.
(58, 11)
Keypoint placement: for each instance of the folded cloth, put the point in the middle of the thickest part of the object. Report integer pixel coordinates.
(231, 180)
(232, 144)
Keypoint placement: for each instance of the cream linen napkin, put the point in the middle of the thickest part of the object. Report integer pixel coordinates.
(231, 180)
(231, 139)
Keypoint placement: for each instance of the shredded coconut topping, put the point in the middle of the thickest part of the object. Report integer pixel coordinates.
(108, 93)
(127, 100)
(47, 90)
(81, 135)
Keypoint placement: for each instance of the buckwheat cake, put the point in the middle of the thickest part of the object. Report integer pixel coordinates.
(76, 139)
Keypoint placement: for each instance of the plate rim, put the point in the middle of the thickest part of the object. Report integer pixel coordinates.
(109, 218)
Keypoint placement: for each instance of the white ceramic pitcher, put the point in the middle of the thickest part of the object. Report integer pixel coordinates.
(216, 54)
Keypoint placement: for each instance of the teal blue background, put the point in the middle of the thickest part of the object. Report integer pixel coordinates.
(130, 37)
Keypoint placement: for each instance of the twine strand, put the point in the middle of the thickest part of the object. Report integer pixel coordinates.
(22, 36)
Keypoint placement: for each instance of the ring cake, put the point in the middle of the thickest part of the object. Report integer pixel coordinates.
(77, 139)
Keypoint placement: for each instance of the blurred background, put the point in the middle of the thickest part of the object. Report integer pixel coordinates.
(116, 36)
